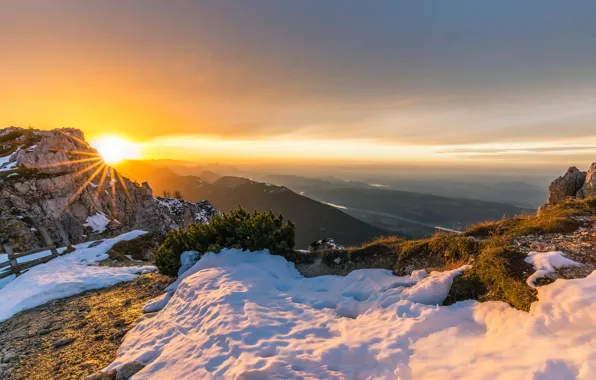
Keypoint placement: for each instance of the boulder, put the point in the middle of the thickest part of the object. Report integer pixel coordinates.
(589, 187)
(566, 186)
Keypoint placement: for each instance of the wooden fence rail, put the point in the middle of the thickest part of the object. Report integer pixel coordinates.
(16, 267)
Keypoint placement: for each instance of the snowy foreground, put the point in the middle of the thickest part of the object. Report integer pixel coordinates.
(239, 315)
(65, 276)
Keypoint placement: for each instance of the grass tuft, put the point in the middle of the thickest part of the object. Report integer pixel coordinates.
(553, 219)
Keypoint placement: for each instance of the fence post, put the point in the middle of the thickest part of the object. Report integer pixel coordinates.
(48, 239)
(11, 259)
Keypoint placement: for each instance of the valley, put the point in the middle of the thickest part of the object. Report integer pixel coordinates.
(388, 210)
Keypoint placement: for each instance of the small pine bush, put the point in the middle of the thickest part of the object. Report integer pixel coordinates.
(237, 229)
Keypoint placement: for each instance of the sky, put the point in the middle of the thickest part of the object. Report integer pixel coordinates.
(426, 82)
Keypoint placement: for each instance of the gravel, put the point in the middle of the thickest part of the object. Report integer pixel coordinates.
(74, 337)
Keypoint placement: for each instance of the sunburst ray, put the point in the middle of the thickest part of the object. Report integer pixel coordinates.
(84, 185)
(85, 170)
(85, 143)
(79, 152)
(70, 162)
(101, 181)
(113, 183)
(121, 180)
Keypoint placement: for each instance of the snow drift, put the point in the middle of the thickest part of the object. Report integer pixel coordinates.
(252, 315)
(65, 276)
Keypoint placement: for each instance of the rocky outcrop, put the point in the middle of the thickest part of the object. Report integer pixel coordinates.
(573, 184)
(54, 179)
(183, 213)
(323, 245)
(589, 187)
(566, 186)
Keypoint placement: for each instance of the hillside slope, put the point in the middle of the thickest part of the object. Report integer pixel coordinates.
(416, 213)
(314, 220)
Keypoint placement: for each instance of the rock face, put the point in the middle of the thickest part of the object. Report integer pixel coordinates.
(589, 188)
(183, 213)
(574, 183)
(566, 186)
(55, 180)
(324, 244)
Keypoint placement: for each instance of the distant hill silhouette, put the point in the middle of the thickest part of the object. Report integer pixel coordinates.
(314, 220)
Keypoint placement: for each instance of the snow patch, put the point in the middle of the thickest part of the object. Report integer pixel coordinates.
(65, 276)
(187, 260)
(131, 259)
(5, 164)
(175, 206)
(546, 263)
(252, 315)
(158, 303)
(237, 314)
(98, 222)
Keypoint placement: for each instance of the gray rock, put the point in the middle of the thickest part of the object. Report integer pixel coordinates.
(183, 213)
(324, 244)
(566, 186)
(8, 357)
(128, 370)
(589, 187)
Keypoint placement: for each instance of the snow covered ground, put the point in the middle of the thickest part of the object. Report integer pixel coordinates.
(65, 276)
(545, 263)
(252, 316)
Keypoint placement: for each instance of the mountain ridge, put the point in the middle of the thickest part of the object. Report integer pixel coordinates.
(55, 180)
(314, 220)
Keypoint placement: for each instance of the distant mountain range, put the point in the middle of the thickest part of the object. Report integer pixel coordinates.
(511, 191)
(325, 207)
(412, 213)
(314, 220)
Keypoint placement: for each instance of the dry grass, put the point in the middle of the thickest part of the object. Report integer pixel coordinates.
(554, 219)
(498, 273)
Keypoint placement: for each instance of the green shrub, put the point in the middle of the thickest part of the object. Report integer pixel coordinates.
(237, 229)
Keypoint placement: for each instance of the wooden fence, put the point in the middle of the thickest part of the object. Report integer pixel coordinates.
(17, 268)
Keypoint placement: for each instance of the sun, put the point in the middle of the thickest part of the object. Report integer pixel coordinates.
(114, 149)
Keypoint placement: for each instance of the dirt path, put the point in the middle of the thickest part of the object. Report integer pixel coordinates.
(74, 337)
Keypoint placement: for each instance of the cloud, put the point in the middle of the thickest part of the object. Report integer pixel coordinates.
(496, 151)
(396, 73)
